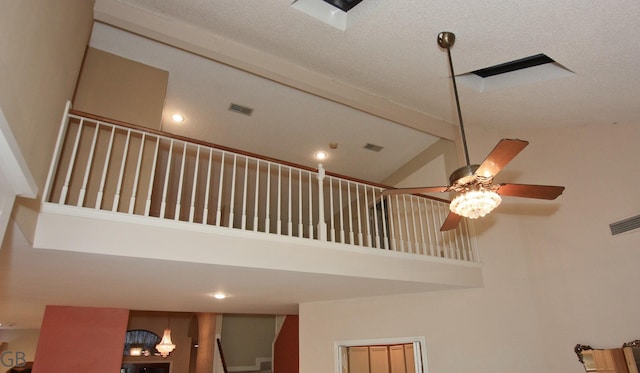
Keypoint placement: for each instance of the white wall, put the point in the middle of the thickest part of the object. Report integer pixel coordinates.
(554, 276)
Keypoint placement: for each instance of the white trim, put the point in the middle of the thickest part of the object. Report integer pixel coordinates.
(420, 357)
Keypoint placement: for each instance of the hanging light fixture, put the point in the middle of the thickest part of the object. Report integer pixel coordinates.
(475, 204)
(166, 345)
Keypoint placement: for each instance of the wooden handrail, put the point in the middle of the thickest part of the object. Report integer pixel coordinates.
(233, 150)
(224, 364)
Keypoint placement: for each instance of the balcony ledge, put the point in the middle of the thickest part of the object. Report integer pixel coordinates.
(112, 233)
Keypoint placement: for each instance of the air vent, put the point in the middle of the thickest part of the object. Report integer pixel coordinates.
(240, 109)
(344, 5)
(374, 148)
(507, 67)
(625, 225)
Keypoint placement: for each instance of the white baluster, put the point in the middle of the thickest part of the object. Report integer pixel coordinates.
(360, 240)
(366, 219)
(332, 217)
(399, 225)
(384, 211)
(220, 185)
(176, 215)
(243, 224)
(351, 235)
(136, 178)
(289, 208)
(322, 224)
(232, 203)
(72, 160)
(428, 224)
(406, 224)
(205, 210)
(392, 218)
(125, 153)
(256, 197)
(147, 207)
(416, 247)
(300, 223)
(87, 170)
(46, 193)
(194, 185)
(376, 228)
(279, 222)
(341, 211)
(310, 209)
(163, 204)
(105, 167)
(57, 152)
(267, 219)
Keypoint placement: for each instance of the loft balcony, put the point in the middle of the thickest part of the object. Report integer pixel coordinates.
(122, 190)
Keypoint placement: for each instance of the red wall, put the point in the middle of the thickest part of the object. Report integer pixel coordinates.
(81, 339)
(286, 352)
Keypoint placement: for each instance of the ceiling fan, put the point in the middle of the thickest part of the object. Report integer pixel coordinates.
(476, 194)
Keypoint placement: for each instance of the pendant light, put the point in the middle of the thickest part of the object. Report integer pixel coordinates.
(166, 345)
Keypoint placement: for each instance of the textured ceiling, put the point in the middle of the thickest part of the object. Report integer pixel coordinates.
(387, 63)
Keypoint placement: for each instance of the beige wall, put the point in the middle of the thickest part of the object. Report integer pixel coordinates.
(42, 44)
(121, 89)
(554, 276)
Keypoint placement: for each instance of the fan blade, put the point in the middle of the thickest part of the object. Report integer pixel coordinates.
(415, 190)
(500, 156)
(530, 191)
(451, 222)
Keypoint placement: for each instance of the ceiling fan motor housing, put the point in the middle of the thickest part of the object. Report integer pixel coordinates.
(463, 175)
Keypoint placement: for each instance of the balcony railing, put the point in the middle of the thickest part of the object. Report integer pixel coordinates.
(103, 164)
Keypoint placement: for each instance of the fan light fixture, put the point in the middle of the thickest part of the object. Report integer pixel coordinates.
(165, 346)
(477, 195)
(475, 203)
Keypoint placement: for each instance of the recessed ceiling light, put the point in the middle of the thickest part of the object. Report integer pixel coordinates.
(178, 118)
(320, 155)
(219, 295)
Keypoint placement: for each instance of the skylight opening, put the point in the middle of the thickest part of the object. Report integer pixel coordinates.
(507, 67)
(344, 5)
(331, 12)
(528, 70)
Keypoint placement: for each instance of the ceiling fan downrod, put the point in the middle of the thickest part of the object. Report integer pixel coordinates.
(446, 40)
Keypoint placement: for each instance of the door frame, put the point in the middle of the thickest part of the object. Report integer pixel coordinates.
(419, 349)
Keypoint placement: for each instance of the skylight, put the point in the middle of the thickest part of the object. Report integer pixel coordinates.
(331, 12)
(527, 70)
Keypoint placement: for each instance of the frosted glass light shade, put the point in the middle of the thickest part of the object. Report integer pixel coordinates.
(475, 203)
